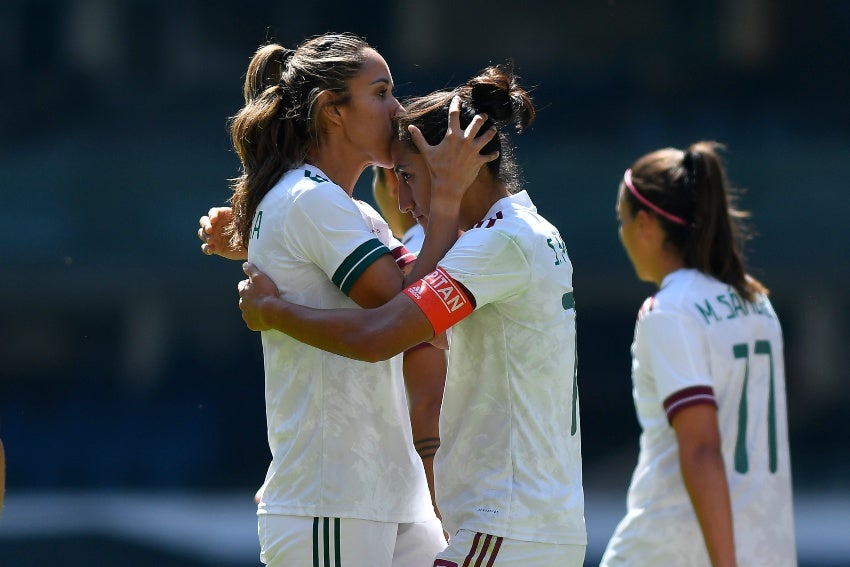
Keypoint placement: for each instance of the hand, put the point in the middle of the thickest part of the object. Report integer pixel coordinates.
(454, 163)
(212, 234)
(253, 293)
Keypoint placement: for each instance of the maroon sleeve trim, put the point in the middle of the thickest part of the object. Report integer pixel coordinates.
(693, 396)
(403, 256)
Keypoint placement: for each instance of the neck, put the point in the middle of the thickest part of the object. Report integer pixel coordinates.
(342, 167)
(479, 198)
(667, 264)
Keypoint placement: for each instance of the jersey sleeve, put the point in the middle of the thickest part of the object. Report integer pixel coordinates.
(379, 227)
(489, 264)
(326, 227)
(674, 351)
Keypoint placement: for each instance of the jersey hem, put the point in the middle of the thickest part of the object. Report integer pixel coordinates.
(344, 513)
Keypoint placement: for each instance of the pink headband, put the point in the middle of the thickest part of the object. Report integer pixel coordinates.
(627, 178)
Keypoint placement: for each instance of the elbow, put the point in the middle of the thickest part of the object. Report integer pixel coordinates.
(701, 456)
(375, 352)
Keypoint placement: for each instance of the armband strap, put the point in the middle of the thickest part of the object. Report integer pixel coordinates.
(688, 397)
(443, 300)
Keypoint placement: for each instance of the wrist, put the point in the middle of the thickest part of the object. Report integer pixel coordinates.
(270, 311)
(444, 202)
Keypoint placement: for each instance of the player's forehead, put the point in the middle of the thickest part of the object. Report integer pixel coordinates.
(400, 154)
(374, 70)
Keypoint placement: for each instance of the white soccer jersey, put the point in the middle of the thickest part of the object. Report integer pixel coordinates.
(338, 428)
(509, 463)
(413, 238)
(698, 341)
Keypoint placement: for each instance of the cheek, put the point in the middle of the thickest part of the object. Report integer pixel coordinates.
(421, 194)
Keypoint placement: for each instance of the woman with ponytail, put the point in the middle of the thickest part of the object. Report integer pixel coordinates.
(508, 470)
(713, 480)
(345, 485)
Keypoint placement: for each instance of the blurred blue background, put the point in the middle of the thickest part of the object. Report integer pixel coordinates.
(131, 403)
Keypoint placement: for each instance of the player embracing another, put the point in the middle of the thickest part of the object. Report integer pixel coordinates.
(508, 472)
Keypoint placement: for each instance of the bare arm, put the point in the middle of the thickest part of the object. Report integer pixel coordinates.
(425, 378)
(701, 462)
(363, 334)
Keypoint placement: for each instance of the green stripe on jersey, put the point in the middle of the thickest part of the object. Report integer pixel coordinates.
(356, 264)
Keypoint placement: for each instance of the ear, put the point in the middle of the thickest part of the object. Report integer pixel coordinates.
(649, 228)
(327, 109)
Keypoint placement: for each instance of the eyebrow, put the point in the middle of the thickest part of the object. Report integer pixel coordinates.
(381, 80)
(399, 166)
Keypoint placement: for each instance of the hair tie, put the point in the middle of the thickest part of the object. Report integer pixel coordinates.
(627, 179)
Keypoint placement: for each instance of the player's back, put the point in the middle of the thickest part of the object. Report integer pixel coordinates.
(747, 365)
(734, 348)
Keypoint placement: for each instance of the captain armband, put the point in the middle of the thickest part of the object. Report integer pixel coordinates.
(443, 300)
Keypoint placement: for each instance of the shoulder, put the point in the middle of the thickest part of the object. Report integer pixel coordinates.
(677, 292)
(317, 196)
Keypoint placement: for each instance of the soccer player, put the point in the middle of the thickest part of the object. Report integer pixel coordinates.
(508, 471)
(344, 484)
(712, 484)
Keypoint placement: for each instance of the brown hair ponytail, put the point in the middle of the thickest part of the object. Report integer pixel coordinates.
(692, 185)
(277, 127)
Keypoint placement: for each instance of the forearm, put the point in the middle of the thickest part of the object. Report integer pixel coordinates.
(705, 479)
(370, 336)
(440, 236)
(425, 377)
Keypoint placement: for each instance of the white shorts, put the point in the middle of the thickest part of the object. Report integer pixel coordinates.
(293, 541)
(471, 548)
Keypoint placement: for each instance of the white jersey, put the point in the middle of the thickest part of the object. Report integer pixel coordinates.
(338, 428)
(697, 341)
(509, 463)
(413, 238)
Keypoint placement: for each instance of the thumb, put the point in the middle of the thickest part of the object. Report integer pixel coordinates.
(250, 270)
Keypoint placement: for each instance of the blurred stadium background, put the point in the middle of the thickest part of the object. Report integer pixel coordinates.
(130, 392)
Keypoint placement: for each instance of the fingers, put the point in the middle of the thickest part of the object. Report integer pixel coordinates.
(454, 115)
(250, 269)
(472, 130)
(204, 234)
(418, 139)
